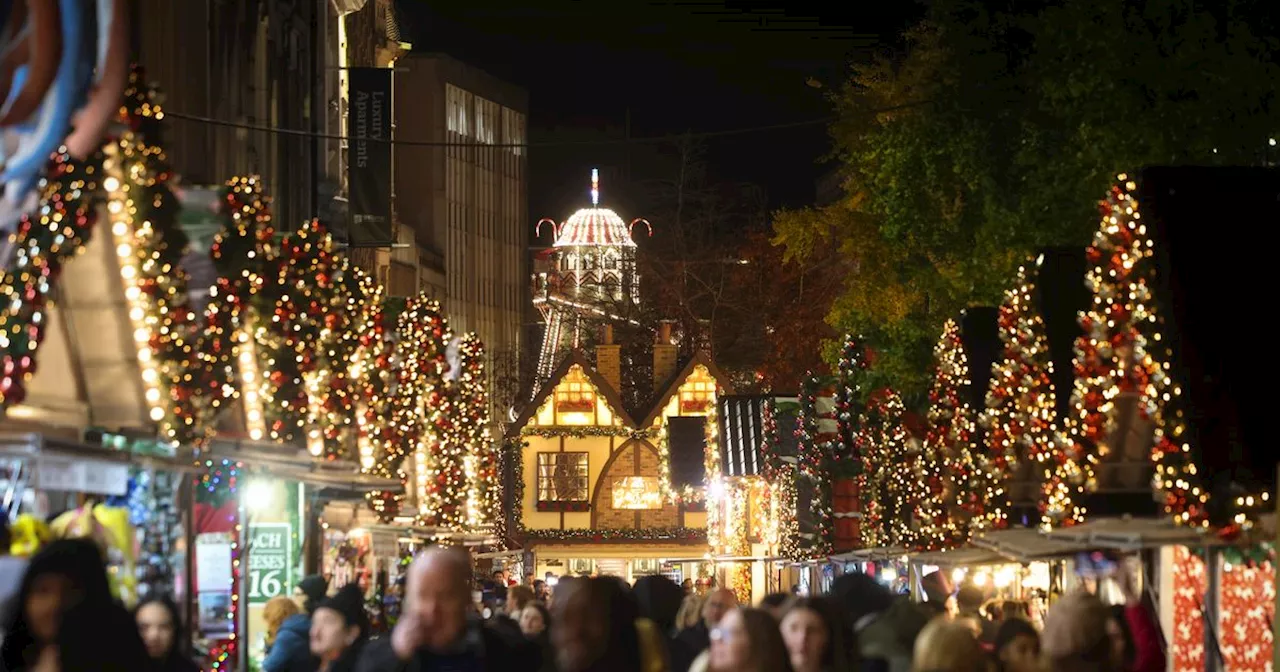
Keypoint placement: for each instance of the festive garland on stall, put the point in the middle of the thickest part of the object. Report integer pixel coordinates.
(949, 432)
(424, 336)
(246, 244)
(38, 248)
(149, 246)
(581, 432)
(511, 466)
(1120, 354)
(669, 534)
(483, 496)
(335, 390)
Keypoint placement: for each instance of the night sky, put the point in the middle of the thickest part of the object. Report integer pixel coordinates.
(677, 67)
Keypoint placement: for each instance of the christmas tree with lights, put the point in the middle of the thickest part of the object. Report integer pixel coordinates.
(949, 432)
(1123, 352)
(300, 297)
(1020, 418)
(890, 473)
(42, 243)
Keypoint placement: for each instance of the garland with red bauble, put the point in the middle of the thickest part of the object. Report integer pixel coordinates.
(39, 247)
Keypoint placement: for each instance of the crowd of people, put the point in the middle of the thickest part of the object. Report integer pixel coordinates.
(63, 617)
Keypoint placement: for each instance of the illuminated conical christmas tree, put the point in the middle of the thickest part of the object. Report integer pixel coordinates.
(949, 433)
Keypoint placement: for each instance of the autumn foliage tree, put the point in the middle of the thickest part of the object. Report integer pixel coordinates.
(992, 133)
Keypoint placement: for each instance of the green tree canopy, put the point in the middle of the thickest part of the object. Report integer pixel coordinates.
(994, 132)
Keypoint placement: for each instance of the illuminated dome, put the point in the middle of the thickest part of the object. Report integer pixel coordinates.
(594, 227)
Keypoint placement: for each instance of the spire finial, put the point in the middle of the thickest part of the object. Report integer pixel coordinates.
(595, 187)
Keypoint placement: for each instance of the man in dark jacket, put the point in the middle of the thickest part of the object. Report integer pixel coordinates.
(437, 631)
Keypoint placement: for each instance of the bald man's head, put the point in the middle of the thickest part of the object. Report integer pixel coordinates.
(718, 603)
(449, 562)
(438, 596)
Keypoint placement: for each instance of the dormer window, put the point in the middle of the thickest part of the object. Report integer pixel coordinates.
(697, 392)
(575, 394)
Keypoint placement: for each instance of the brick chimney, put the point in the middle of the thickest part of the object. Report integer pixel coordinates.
(664, 355)
(609, 359)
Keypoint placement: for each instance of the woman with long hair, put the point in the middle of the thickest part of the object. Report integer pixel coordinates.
(745, 640)
(816, 637)
(160, 625)
(274, 613)
(65, 618)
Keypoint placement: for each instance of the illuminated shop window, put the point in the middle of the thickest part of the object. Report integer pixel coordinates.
(562, 477)
(638, 493)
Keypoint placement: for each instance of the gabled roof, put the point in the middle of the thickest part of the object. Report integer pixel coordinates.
(672, 386)
(575, 357)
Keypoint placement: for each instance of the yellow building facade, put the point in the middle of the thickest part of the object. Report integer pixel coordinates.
(592, 489)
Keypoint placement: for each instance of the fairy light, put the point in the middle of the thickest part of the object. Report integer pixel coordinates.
(250, 382)
(595, 187)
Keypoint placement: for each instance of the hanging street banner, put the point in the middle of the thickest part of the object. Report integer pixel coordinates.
(270, 561)
(369, 156)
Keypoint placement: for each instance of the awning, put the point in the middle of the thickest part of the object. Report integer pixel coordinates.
(965, 556)
(1025, 545)
(1131, 534)
(72, 466)
(338, 479)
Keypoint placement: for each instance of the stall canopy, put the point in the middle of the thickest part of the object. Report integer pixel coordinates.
(336, 479)
(1132, 534)
(47, 463)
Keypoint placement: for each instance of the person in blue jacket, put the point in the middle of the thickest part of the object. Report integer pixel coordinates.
(291, 651)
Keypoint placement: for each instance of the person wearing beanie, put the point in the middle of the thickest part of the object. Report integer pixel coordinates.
(291, 652)
(310, 592)
(339, 628)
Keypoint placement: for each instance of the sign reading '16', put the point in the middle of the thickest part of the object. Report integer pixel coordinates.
(270, 561)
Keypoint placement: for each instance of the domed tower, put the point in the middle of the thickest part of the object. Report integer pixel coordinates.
(588, 276)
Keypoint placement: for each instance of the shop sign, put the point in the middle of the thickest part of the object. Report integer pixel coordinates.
(270, 561)
(87, 476)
